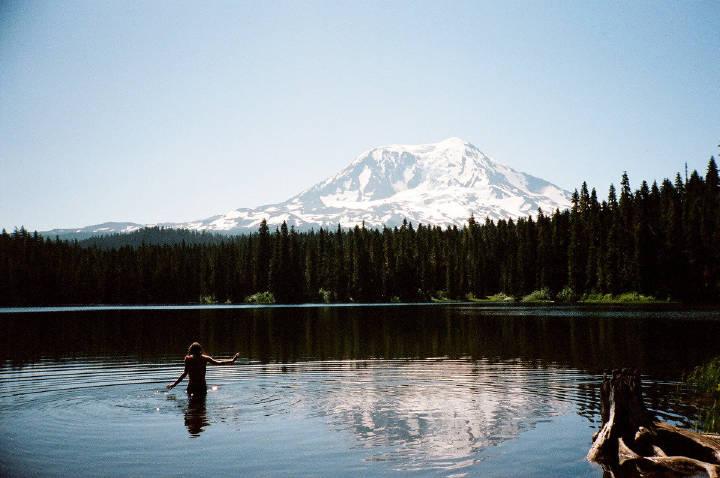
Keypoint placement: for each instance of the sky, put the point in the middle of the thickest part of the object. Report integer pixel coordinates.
(159, 111)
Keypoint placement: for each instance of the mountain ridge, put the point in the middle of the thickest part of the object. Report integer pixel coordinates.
(441, 183)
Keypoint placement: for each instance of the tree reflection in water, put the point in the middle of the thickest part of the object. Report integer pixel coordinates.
(420, 387)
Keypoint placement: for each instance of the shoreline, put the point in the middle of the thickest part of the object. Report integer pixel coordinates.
(478, 303)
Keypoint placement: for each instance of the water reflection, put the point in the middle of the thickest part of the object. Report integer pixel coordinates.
(414, 388)
(425, 414)
(195, 414)
(585, 339)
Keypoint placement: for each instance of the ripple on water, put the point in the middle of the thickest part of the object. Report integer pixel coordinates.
(409, 414)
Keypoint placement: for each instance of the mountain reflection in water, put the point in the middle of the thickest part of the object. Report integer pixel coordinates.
(433, 410)
(372, 390)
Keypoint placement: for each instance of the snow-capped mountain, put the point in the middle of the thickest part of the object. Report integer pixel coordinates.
(438, 184)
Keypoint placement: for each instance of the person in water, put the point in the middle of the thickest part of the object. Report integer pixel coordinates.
(195, 365)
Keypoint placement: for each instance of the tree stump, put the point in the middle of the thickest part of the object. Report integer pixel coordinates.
(631, 438)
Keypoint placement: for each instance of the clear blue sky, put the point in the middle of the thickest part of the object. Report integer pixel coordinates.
(171, 111)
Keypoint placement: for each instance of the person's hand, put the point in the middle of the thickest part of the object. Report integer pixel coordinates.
(170, 386)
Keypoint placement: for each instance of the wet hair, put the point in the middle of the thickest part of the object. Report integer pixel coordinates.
(195, 349)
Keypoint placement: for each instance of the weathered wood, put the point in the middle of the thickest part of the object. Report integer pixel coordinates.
(623, 413)
(677, 464)
(674, 440)
(631, 437)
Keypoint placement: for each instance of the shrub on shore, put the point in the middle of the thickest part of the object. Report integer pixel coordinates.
(326, 296)
(542, 295)
(567, 295)
(501, 297)
(261, 298)
(623, 298)
(707, 379)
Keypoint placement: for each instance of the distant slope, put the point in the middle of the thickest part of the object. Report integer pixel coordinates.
(95, 230)
(154, 236)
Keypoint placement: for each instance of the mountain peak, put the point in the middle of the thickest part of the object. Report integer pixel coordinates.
(454, 141)
(438, 184)
(448, 143)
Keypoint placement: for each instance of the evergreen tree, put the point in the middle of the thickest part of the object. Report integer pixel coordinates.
(261, 265)
(660, 240)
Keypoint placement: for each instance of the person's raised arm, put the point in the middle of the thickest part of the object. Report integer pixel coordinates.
(180, 378)
(221, 362)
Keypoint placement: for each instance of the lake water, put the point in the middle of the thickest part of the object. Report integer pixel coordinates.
(442, 390)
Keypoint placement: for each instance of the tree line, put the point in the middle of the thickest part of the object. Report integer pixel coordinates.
(659, 240)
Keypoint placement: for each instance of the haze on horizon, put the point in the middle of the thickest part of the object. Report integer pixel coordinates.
(173, 111)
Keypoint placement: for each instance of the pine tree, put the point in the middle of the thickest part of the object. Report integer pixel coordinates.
(613, 244)
(710, 226)
(575, 256)
(280, 267)
(340, 269)
(261, 265)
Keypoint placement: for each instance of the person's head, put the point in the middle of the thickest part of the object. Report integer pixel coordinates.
(195, 349)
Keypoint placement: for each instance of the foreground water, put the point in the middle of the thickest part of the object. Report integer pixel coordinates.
(418, 390)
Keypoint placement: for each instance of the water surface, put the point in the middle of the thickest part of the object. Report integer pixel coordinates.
(451, 390)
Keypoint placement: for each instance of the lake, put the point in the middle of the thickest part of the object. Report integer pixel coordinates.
(426, 390)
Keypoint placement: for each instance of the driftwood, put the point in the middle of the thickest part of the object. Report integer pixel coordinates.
(632, 440)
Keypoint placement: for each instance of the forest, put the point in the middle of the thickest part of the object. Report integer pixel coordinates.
(659, 240)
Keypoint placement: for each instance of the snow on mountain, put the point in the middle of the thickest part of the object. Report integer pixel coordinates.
(438, 184)
(96, 230)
